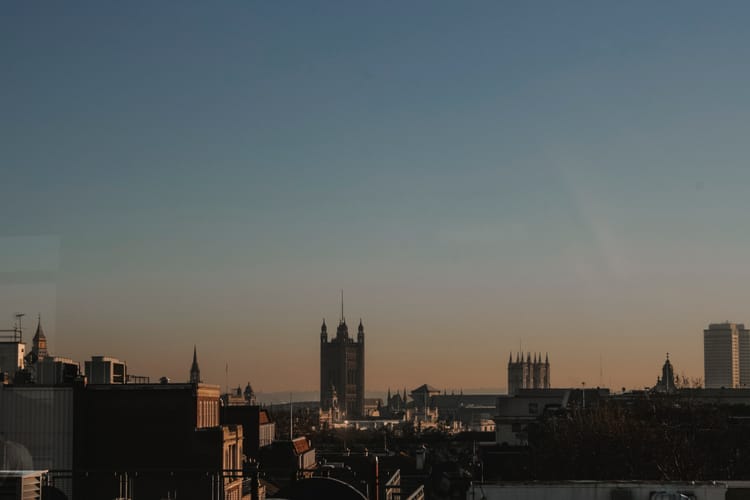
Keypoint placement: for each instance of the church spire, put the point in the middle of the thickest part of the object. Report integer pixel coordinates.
(39, 331)
(195, 372)
(39, 345)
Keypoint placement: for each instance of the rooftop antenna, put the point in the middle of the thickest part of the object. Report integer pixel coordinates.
(291, 419)
(342, 305)
(226, 378)
(601, 370)
(18, 316)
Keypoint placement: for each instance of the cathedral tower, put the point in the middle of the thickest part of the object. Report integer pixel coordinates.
(528, 373)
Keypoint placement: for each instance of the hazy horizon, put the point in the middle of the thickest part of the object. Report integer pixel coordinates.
(479, 178)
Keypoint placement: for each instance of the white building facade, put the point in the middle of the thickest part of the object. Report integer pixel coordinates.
(726, 356)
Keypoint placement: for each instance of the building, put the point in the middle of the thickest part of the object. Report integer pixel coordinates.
(342, 371)
(516, 412)
(21, 485)
(372, 407)
(12, 354)
(726, 355)
(257, 427)
(472, 412)
(666, 383)
(106, 370)
(159, 440)
(238, 397)
(604, 490)
(421, 410)
(39, 421)
(56, 370)
(287, 461)
(528, 374)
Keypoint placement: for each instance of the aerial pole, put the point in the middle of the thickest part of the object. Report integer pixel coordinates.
(20, 327)
(291, 419)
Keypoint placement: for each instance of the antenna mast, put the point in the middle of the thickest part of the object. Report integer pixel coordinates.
(291, 419)
(20, 327)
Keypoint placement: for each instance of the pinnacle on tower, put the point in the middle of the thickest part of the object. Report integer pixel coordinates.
(342, 320)
(39, 347)
(324, 332)
(39, 331)
(195, 372)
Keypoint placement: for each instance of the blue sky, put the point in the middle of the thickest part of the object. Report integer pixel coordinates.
(570, 176)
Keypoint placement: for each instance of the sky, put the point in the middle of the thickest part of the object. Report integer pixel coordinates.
(478, 177)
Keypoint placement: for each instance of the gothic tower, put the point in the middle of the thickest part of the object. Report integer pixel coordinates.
(342, 369)
(39, 347)
(528, 373)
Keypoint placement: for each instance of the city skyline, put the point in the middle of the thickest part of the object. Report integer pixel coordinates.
(480, 179)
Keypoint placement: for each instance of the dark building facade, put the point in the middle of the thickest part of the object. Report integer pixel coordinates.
(342, 371)
(159, 440)
(257, 428)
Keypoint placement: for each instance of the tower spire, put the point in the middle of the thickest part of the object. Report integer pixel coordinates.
(39, 346)
(342, 306)
(195, 372)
